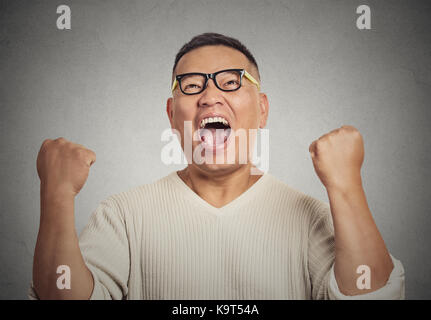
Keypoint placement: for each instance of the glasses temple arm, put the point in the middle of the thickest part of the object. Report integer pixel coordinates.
(252, 79)
(174, 84)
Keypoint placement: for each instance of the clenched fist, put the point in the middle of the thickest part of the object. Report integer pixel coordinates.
(338, 156)
(63, 166)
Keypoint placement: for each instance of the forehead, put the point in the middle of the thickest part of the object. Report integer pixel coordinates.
(210, 59)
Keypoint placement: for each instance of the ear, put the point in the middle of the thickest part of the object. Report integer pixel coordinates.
(169, 110)
(264, 108)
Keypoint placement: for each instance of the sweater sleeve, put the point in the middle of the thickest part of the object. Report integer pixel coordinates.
(321, 254)
(105, 249)
(321, 258)
(392, 290)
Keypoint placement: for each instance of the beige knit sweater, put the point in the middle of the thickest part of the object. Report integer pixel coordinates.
(162, 241)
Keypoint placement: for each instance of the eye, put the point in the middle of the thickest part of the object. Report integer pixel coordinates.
(192, 86)
(232, 82)
(229, 80)
(192, 83)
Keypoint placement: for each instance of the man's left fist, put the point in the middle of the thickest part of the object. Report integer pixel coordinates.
(337, 157)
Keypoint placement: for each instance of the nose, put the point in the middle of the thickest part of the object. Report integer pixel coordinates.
(211, 95)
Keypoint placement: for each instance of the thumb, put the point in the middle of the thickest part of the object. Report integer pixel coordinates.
(312, 149)
(91, 158)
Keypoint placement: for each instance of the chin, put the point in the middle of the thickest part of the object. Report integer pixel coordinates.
(219, 169)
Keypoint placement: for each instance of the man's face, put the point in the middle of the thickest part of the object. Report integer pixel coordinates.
(245, 108)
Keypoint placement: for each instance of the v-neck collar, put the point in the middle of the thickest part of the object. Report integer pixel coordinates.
(193, 196)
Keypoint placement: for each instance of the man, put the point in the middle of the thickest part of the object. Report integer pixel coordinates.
(215, 230)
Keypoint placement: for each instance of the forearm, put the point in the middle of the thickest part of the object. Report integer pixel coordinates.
(357, 240)
(57, 244)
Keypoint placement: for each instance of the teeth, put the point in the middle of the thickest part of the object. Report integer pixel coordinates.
(213, 119)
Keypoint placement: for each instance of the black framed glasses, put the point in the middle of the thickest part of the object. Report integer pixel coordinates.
(225, 80)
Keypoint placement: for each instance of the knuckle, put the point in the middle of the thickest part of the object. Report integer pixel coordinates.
(349, 128)
(61, 140)
(312, 144)
(321, 144)
(45, 143)
(322, 139)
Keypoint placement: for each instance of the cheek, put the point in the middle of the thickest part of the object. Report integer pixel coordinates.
(247, 111)
(182, 113)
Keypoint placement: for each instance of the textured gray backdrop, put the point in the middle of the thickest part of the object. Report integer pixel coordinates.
(104, 84)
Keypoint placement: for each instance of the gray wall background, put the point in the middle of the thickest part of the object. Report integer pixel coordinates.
(104, 84)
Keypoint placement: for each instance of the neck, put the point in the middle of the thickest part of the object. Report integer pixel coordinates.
(219, 189)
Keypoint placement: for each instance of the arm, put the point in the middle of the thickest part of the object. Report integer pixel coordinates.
(63, 169)
(357, 241)
(57, 244)
(337, 158)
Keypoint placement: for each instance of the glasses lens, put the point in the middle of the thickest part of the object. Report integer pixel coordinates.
(229, 80)
(192, 83)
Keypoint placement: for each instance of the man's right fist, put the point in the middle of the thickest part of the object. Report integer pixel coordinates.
(63, 166)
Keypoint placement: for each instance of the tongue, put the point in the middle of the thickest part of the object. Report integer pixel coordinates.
(214, 137)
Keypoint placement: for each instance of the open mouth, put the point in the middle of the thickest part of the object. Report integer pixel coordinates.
(214, 132)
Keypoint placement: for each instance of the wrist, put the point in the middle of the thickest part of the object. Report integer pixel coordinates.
(56, 205)
(54, 193)
(349, 186)
(57, 214)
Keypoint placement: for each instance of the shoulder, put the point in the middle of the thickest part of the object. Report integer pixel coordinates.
(140, 197)
(295, 199)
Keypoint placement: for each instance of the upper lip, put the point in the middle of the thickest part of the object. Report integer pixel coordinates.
(211, 115)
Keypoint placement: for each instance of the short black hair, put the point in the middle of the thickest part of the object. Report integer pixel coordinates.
(214, 39)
